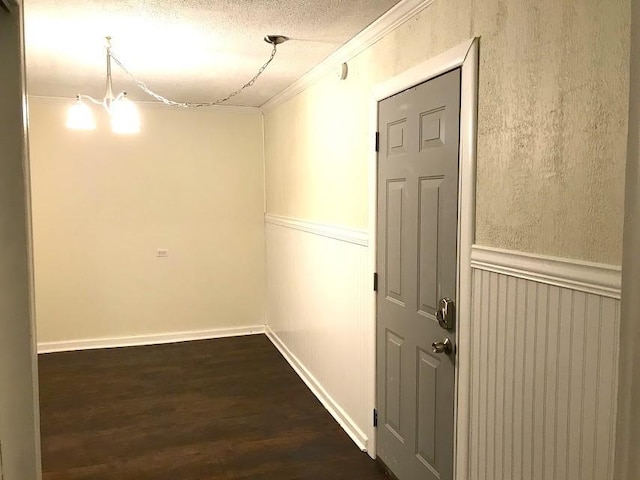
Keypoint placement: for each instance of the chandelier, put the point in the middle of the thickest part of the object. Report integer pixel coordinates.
(124, 114)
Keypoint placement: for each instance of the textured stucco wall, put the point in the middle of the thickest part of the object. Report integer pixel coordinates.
(552, 124)
(628, 422)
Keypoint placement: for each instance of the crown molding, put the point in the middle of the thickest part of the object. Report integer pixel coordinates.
(388, 22)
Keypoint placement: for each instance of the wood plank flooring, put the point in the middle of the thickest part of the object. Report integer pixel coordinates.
(207, 410)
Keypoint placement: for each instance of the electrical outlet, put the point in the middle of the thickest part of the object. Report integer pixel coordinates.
(160, 252)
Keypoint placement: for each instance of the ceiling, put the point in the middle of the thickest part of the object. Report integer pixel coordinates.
(187, 50)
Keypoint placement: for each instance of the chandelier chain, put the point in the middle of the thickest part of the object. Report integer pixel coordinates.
(143, 86)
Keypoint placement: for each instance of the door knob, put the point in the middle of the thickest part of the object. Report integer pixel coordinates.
(442, 347)
(445, 313)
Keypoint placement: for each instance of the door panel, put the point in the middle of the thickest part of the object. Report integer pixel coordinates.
(393, 374)
(428, 202)
(396, 137)
(417, 242)
(432, 127)
(393, 252)
(427, 406)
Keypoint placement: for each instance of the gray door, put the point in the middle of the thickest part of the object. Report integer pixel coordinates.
(416, 264)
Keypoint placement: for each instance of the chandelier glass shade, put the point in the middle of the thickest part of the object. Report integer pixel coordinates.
(80, 116)
(124, 114)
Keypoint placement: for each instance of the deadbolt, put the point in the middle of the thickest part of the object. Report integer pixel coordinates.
(446, 313)
(442, 347)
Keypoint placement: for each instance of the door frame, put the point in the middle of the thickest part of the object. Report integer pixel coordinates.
(464, 56)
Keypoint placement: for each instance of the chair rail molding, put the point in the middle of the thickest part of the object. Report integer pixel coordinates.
(596, 278)
(358, 237)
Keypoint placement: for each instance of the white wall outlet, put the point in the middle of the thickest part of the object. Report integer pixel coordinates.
(162, 252)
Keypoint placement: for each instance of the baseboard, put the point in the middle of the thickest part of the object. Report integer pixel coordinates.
(348, 425)
(156, 339)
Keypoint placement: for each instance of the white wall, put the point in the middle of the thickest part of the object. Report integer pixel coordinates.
(191, 182)
(19, 441)
(319, 290)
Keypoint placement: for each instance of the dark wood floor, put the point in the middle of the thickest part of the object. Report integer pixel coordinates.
(216, 409)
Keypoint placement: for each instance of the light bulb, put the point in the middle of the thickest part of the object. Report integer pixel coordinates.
(124, 116)
(80, 116)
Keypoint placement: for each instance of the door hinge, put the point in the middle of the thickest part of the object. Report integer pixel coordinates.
(375, 417)
(377, 141)
(375, 282)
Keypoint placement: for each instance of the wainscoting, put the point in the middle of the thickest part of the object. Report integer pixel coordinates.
(319, 292)
(544, 349)
(544, 367)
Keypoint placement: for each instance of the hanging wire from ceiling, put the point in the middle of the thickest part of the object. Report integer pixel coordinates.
(274, 40)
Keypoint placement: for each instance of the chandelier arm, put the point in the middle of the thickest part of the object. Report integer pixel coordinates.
(143, 86)
(91, 99)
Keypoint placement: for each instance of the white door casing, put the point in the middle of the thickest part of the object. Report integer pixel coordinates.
(19, 412)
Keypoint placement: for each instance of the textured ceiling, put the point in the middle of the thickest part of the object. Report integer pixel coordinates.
(188, 50)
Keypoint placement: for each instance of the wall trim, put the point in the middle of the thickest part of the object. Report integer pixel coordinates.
(358, 237)
(154, 339)
(544, 380)
(599, 279)
(345, 421)
(388, 22)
